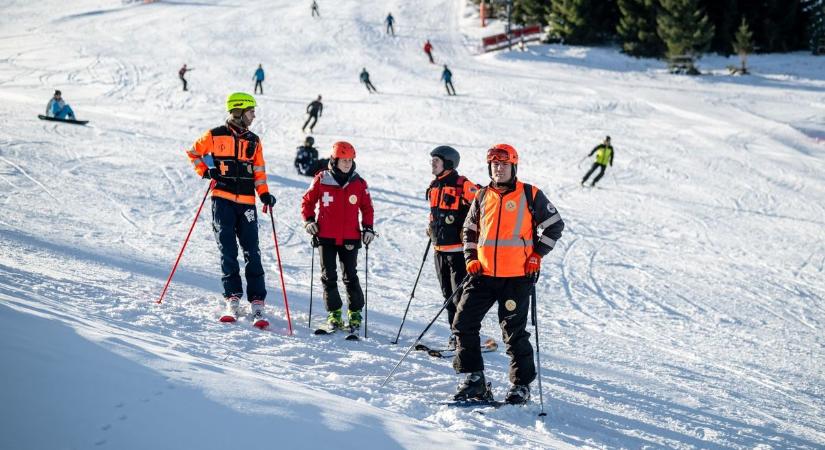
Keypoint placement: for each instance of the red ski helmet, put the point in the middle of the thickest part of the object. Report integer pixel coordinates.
(503, 153)
(343, 149)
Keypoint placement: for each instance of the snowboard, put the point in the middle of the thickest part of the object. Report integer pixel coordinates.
(53, 119)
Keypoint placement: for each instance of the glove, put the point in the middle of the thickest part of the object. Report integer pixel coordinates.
(213, 173)
(311, 227)
(268, 199)
(429, 232)
(474, 267)
(533, 264)
(367, 236)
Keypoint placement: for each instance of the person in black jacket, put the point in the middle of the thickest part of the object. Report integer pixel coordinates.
(306, 159)
(315, 110)
(450, 196)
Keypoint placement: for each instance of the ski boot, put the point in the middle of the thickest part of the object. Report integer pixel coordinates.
(354, 319)
(231, 311)
(334, 321)
(518, 394)
(258, 314)
(474, 387)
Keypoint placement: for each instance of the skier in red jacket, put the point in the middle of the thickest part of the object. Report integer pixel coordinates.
(339, 194)
(428, 49)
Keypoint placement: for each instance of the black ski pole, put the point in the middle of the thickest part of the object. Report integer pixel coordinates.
(311, 283)
(443, 307)
(538, 349)
(366, 287)
(426, 251)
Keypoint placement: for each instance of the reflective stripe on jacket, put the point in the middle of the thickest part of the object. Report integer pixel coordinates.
(239, 156)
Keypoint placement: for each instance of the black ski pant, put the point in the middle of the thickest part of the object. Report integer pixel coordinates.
(313, 118)
(513, 298)
(315, 12)
(259, 84)
(449, 85)
(451, 270)
(370, 87)
(184, 82)
(430, 55)
(347, 255)
(390, 29)
(593, 169)
(234, 223)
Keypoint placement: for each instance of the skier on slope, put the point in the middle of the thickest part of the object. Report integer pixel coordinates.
(239, 173)
(450, 195)
(306, 159)
(604, 156)
(339, 194)
(315, 109)
(364, 76)
(503, 250)
(58, 109)
(428, 49)
(447, 77)
(259, 79)
(390, 20)
(182, 74)
(314, 8)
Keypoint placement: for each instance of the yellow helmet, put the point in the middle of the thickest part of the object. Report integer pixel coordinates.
(239, 100)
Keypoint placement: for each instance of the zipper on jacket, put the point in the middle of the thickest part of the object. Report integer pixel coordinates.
(498, 227)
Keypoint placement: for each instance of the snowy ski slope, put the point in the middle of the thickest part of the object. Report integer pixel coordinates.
(682, 308)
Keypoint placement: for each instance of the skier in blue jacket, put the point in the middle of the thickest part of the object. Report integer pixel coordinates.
(259, 79)
(447, 77)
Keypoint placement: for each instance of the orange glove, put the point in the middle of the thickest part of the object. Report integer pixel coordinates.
(474, 267)
(533, 264)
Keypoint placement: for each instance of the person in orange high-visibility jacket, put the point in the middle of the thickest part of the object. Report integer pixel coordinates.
(450, 195)
(503, 249)
(239, 173)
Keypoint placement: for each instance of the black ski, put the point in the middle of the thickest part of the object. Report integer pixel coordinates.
(488, 346)
(352, 334)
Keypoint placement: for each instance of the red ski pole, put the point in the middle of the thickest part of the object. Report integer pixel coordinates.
(280, 267)
(186, 241)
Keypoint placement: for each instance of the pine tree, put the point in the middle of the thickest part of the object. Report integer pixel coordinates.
(684, 28)
(637, 28)
(816, 25)
(743, 45)
(527, 12)
(582, 21)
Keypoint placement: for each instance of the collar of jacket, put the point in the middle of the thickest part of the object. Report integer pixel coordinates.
(504, 188)
(444, 174)
(236, 125)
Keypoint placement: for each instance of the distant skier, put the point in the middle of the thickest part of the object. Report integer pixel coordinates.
(259, 79)
(306, 159)
(315, 110)
(503, 249)
(447, 77)
(182, 73)
(365, 78)
(390, 20)
(58, 109)
(240, 173)
(315, 11)
(428, 49)
(450, 195)
(339, 194)
(604, 156)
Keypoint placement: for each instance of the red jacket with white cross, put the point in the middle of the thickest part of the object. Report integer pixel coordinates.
(337, 208)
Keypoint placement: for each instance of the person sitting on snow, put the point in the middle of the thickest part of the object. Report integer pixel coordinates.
(58, 109)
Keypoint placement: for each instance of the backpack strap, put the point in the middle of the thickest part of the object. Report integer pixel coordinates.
(531, 199)
(459, 188)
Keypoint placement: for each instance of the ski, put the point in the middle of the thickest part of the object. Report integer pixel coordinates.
(352, 334)
(261, 324)
(227, 318)
(480, 403)
(488, 346)
(325, 331)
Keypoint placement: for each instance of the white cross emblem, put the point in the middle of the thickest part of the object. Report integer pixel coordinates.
(327, 199)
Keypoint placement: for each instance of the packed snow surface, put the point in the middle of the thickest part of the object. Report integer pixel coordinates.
(683, 306)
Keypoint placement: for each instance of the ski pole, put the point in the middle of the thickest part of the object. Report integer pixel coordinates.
(538, 349)
(426, 251)
(280, 267)
(186, 241)
(366, 287)
(311, 283)
(460, 288)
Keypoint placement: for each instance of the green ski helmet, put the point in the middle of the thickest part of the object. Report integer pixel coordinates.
(239, 100)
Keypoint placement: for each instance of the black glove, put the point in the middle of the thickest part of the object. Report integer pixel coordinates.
(212, 173)
(267, 199)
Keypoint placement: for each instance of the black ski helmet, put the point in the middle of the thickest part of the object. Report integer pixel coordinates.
(309, 141)
(447, 154)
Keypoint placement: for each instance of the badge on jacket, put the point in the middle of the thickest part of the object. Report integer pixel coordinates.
(510, 205)
(353, 199)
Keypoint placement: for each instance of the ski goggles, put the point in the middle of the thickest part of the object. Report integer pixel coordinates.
(497, 154)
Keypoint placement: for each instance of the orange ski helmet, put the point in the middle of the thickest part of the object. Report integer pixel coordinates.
(343, 149)
(504, 153)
